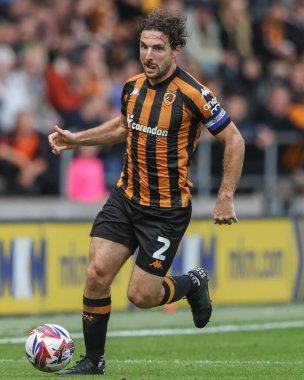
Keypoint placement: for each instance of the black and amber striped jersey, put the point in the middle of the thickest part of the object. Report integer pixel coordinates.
(165, 122)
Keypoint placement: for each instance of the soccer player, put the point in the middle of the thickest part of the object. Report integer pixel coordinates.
(163, 111)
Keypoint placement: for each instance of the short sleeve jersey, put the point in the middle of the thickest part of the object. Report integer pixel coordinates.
(164, 123)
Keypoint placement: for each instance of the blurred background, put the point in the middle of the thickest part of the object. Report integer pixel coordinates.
(65, 61)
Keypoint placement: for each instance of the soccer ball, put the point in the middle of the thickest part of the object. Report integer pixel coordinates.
(49, 347)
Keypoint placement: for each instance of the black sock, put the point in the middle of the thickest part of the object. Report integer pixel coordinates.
(176, 287)
(95, 317)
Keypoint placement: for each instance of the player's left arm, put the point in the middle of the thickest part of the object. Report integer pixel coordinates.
(234, 151)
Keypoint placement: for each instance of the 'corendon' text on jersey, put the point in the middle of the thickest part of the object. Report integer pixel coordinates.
(144, 128)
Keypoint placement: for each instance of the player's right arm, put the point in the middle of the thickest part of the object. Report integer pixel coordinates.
(110, 132)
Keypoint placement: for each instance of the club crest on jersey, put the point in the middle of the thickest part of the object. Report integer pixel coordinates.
(169, 97)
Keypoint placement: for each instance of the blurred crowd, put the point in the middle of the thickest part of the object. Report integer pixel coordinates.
(65, 61)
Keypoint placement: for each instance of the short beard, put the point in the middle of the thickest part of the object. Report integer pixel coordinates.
(160, 74)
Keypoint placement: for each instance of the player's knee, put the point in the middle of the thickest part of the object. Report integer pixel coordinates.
(96, 277)
(139, 299)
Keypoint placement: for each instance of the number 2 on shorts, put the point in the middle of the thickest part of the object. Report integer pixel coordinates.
(158, 254)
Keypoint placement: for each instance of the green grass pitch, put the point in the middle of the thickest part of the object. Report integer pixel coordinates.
(266, 342)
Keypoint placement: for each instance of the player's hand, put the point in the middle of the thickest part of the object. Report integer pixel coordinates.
(61, 139)
(224, 212)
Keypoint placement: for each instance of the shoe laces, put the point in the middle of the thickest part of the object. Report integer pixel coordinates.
(82, 359)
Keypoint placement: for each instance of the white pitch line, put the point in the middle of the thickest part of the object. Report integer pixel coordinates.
(167, 332)
(232, 362)
(208, 330)
(187, 362)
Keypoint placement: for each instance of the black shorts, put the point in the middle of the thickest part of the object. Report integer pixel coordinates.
(155, 231)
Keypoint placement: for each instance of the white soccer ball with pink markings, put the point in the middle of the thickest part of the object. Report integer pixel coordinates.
(49, 347)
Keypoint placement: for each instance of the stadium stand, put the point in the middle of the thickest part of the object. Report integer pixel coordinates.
(65, 62)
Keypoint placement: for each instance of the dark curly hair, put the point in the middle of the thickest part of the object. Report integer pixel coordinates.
(171, 23)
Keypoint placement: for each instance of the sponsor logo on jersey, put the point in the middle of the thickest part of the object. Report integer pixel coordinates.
(169, 97)
(212, 105)
(205, 92)
(135, 91)
(154, 131)
(211, 101)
